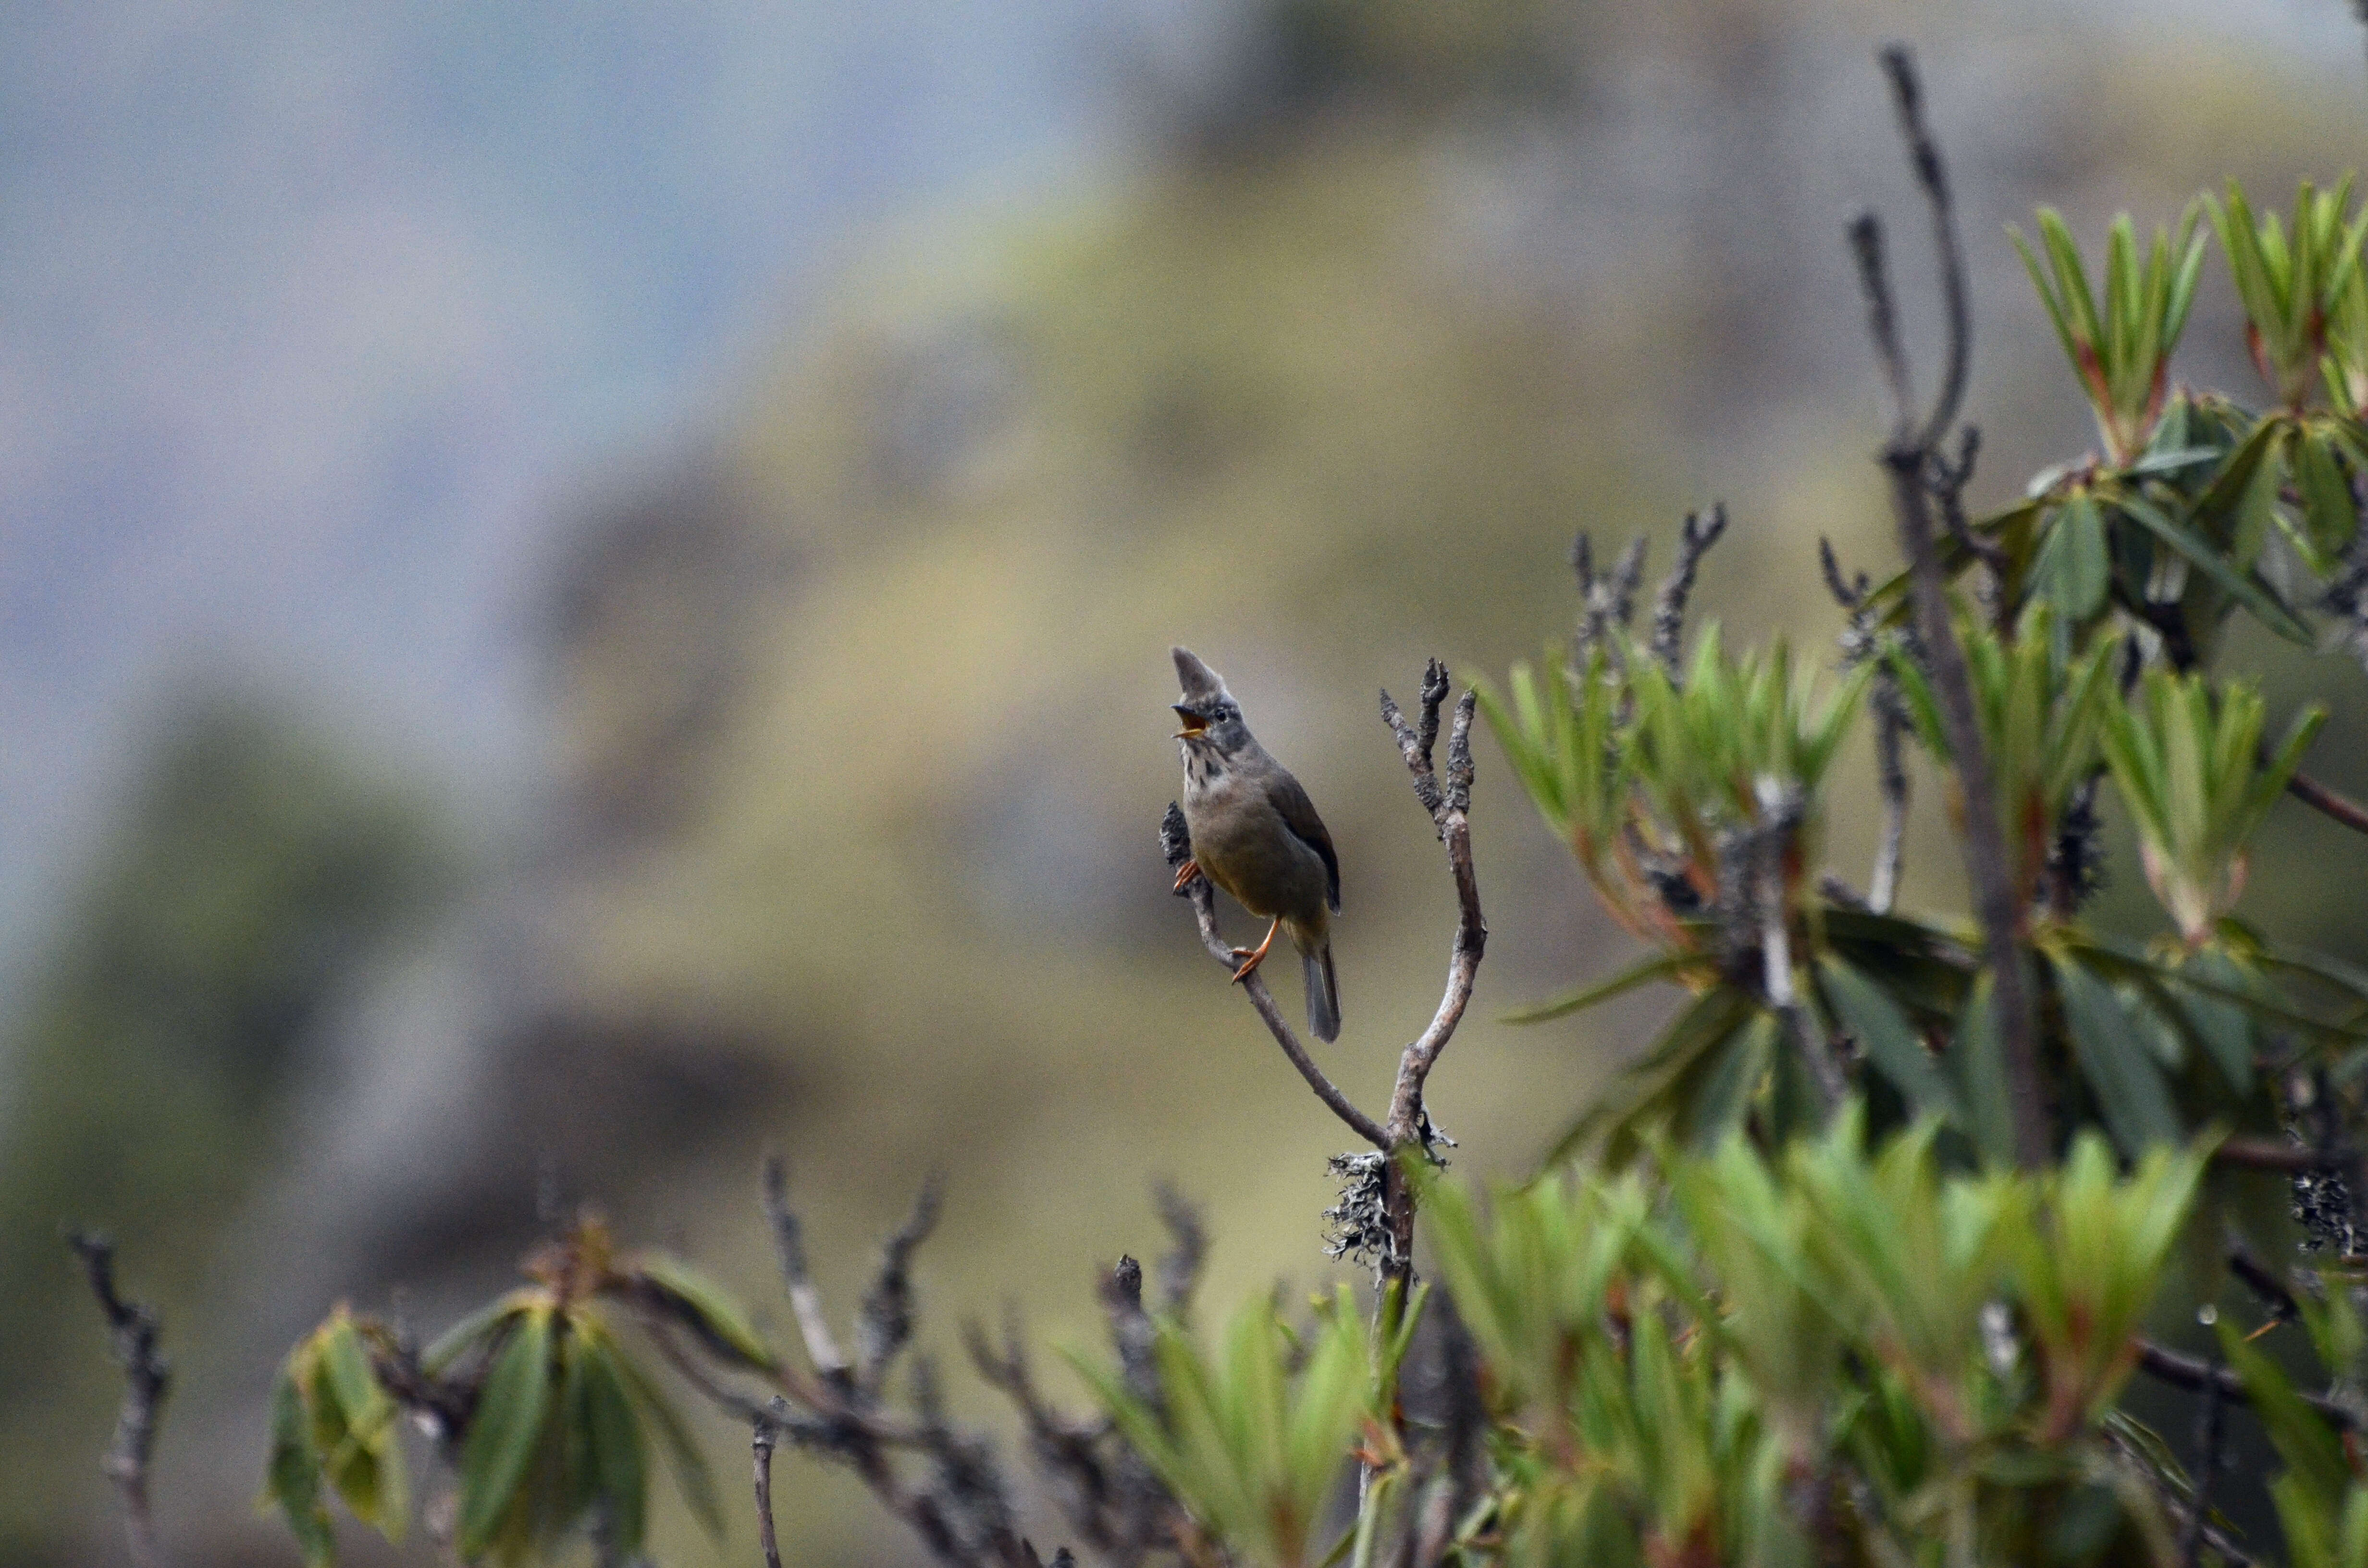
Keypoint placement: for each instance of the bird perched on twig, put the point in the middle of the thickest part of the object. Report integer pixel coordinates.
(1256, 835)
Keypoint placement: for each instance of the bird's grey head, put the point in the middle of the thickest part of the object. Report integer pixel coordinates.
(1213, 720)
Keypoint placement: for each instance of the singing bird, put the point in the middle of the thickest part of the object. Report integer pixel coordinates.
(1256, 835)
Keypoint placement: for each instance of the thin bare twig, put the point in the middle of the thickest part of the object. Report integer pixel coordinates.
(1932, 178)
(2262, 1154)
(2194, 1374)
(1694, 541)
(805, 1301)
(886, 1326)
(1608, 600)
(764, 1434)
(1177, 846)
(2263, 1283)
(2335, 807)
(1860, 641)
(1906, 457)
(132, 1330)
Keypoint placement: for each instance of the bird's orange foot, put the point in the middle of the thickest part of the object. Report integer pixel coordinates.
(1253, 956)
(1184, 875)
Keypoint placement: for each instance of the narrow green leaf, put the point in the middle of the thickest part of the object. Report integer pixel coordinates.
(2328, 508)
(2241, 586)
(2115, 1058)
(455, 1341)
(1668, 966)
(367, 1465)
(1715, 1016)
(1728, 1079)
(292, 1480)
(620, 1462)
(2221, 1026)
(506, 1429)
(705, 1308)
(1977, 1060)
(1890, 1041)
(2309, 1446)
(683, 1454)
(2084, 570)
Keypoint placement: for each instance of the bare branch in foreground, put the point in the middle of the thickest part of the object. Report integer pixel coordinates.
(132, 1330)
(1907, 458)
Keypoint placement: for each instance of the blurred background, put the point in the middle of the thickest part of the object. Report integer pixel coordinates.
(585, 592)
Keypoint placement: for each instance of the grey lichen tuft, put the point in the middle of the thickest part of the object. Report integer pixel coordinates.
(1357, 1228)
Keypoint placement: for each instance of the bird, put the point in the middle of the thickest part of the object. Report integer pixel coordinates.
(1256, 835)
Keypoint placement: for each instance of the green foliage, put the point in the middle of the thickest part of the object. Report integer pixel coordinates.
(2291, 281)
(2187, 761)
(559, 1419)
(1252, 1440)
(2121, 345)
(1645, 774)
(2040, 710)
(1700, 1366)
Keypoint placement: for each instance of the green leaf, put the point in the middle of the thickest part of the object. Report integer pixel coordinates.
(506, 1429)
(1728, 1079)
(1978, 1055)
(2310, 1447)
(292, 1479)
(1669, 966)
(2243, 587)
(2115, 1058)
(2083, 572)
(1890, 1041)
(2154, 464)
(684, 1457)
(1714, 1015)
(2221, 1026)
(618, 1460)
(455, 1341)
(705, 1308)
(366, 1464)
(2328, 508)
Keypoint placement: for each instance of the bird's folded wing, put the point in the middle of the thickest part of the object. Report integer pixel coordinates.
(1298, 814)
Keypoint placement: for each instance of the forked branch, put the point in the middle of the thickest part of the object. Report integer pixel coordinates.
(1909, 458)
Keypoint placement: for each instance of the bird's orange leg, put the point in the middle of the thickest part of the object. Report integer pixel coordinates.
(1253, 956)
(1184, 873)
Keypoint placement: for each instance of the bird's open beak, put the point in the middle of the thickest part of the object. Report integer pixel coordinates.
(1193, 722)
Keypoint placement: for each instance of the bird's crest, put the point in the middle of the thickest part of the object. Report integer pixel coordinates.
(1200, 684)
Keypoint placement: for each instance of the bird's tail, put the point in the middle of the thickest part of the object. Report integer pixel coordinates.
(1323, 993)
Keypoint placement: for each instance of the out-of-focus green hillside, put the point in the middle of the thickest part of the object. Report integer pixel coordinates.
(861, 712)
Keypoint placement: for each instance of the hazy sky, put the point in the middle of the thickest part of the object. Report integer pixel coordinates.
(314, 319)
